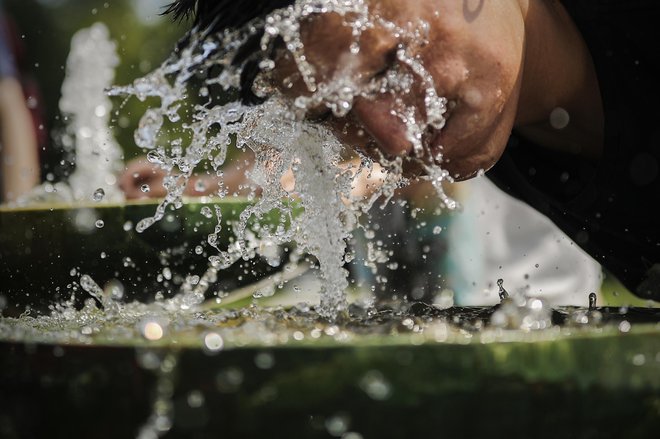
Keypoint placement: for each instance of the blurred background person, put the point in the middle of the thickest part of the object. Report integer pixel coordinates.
(500, 237)
(19, 156)
(422, 252)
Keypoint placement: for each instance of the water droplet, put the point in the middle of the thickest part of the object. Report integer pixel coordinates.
(559, 118)
(167, 273)
(98, 194)
(503, 293)
(84, 220)
(639, 360)
(200, 185)
(128, 225)
(592, 301)
(148, 359)
(206, 211)
(100, 111)
(213, 342)
(195, 399)
(445, 299)
(267, 64)
(114, 289)
(145, 188)
(229, 380)
(624, 326)
(338, 424)
(88, 284)
(144, 224)
(535, 304)
(152, 330)
(264, 360)
(99, 224)
(148, 129)
(375, 386)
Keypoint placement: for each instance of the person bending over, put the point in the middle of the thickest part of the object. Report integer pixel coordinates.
(557, 100)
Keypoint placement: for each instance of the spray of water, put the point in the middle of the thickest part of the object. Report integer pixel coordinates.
(280, 136)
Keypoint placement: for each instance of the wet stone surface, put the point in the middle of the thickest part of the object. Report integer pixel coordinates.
(163, 324)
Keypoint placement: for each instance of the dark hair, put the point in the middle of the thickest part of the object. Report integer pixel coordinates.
(213, 16)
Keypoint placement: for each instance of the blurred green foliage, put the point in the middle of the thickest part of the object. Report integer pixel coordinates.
(613, 293)
(144, 40)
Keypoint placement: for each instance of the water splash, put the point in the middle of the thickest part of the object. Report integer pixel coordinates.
(519, 311)
(280, 136)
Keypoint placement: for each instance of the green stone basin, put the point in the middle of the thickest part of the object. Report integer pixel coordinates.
(569, 383)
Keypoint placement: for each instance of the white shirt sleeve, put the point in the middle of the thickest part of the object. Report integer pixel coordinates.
(504, 238)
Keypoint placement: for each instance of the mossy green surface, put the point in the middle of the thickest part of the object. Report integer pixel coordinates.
(589, 383)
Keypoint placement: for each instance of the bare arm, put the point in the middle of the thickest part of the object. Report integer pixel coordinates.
(140, 173)
(19, 160)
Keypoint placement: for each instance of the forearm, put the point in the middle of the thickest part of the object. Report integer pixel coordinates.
(19, 160)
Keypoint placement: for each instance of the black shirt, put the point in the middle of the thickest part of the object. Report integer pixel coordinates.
(610, 207)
